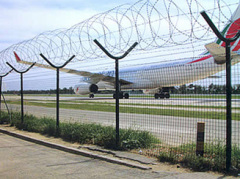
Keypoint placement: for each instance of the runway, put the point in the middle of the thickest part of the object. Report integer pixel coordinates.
(212, 100)
(172, 130)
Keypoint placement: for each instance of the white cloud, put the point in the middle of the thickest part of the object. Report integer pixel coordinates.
(22, 24)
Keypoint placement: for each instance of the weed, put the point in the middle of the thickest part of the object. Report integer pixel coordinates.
(214, 157)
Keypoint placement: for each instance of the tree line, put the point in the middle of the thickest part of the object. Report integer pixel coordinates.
(51, 91)
(198, 89)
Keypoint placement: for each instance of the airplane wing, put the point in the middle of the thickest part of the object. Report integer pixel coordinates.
(214, 76)
(95, 77)
(218, 52)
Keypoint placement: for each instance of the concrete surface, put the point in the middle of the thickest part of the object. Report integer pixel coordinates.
(23, 159)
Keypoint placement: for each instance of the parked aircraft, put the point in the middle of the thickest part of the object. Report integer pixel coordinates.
(158, 78)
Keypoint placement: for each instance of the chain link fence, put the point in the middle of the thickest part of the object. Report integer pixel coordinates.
(191, 92)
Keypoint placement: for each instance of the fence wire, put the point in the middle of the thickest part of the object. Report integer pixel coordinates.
(173, 121)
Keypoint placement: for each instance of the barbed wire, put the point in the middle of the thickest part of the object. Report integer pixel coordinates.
(154, 24)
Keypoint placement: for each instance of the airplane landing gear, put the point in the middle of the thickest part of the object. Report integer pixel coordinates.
(91, 95)
(121, 95)
(163, 93)
(126, 95)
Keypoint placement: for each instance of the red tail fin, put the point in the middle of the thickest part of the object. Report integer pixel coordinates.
(231, 32)
(235, 27)
(17, 57)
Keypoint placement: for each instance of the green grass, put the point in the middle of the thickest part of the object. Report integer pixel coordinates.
(140, 104)
(137, 110)
(207, 96)
(83, 133)
(180, 106)
(123, 104)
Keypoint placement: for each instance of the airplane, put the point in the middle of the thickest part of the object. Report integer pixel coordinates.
(159, 78)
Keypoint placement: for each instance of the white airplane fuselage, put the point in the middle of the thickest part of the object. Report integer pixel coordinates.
(169, 74)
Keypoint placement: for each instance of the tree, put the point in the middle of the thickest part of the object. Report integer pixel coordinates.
(182, 89)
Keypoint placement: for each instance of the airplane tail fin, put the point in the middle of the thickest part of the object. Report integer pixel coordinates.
(231, 30)
(17, 57)
(219, 54)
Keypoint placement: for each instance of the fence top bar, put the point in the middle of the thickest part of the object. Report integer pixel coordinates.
(54, 66)
(6, 73)
(20, 71)
(114, 57)
(215, 30)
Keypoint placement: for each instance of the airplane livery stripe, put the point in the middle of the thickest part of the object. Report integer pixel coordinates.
(223, 32)
(233, 29)
(200, 59)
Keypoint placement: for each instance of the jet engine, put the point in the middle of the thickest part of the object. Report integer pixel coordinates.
(85, 88)
(150, 91)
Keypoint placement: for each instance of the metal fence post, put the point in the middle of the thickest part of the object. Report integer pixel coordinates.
(0, 97)
(57, 87)
(117, 86)
(21, 78)
(1, 77)
(228, 86)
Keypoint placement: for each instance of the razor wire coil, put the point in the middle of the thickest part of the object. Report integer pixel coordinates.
(154, 24)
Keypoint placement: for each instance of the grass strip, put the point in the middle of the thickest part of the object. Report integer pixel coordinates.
(165, 112)
(132, 104)
(83, 133)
